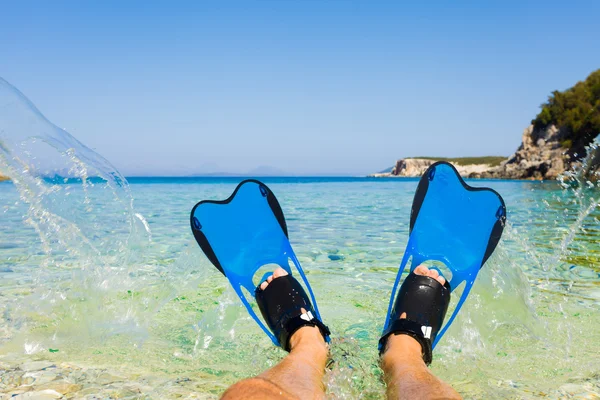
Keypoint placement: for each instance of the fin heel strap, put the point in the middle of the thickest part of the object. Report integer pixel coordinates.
(412, 329)
(293, 324)
(425, 302)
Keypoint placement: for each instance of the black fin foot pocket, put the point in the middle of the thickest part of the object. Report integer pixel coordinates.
(425, 302)
(281, 305)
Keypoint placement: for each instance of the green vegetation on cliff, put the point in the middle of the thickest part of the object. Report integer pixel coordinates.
(577, 109)
(489, 160)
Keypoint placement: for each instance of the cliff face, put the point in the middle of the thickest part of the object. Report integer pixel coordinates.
(411, 167)
(414, 167)
(543, 155)
(4, 178)
(540, 156)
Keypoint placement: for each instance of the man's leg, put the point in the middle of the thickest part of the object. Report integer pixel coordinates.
(298, 375)
(405, 372)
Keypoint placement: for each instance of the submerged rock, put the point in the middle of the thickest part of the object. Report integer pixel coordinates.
(39, 395)
(35, 366)
(60, 386)
(41, 377)
(106, 378)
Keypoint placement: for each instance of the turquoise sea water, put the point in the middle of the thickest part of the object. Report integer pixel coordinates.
(105, 294)
(156, 306)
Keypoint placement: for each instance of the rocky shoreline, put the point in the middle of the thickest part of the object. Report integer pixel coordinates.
(415, 167)
(542, 155)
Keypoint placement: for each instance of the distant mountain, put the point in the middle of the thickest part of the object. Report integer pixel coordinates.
(215, 174)
(263, 170)
(386, 171)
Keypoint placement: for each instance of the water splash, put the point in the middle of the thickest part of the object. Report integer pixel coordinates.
(89, 275)
(582, 181)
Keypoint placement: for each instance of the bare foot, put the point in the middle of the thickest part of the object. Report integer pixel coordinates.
(432, 273)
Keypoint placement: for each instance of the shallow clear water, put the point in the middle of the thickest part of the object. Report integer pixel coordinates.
(105, 294)
(529, 328)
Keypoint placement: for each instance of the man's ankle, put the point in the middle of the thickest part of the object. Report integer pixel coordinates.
(308, 337)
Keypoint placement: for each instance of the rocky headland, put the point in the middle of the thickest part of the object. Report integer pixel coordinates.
(4, 178)
(407, 167)
(541, 155)
(557, 140)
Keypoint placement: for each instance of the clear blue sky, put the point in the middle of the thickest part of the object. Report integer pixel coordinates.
(308, 87)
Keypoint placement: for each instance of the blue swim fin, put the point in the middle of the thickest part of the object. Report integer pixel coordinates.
(241, 234)
(453, 223)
